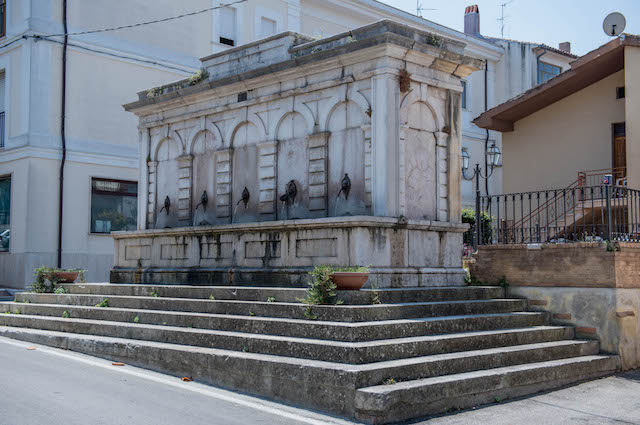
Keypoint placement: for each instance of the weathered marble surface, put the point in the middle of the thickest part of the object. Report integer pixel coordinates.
(294, 112)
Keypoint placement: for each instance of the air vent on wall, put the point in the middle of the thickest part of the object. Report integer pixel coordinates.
(242, 96)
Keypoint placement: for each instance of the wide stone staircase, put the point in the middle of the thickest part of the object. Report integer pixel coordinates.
(383, 356)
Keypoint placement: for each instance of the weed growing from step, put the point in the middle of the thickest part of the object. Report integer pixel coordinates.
(103, 303)
(60, 290)
(389, 381)
(374, 296)
(66, 315)
(154, 294)
(503, 282)
(212, 298)
(18, 311)
(271, 299)
(136, 319)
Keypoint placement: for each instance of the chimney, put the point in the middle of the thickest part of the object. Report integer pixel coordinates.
(566, 46)
(472, 20)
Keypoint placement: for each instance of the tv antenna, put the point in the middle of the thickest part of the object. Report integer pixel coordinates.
(420, 9)
(614, 24)
(502, 17)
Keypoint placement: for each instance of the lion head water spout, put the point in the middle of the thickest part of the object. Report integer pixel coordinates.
(245, 198)
(289, 197)
(345, 188)
(204, 200)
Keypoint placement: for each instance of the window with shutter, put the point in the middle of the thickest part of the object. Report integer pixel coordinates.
(2, 114)
(227, 25)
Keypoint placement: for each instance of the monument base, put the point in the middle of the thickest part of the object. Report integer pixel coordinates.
(401, 253)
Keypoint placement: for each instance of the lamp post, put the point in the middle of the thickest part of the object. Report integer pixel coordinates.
(493, 157)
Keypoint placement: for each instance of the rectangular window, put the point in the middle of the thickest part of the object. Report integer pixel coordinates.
(619, 92)
(227, 26)
(268, 27)
(5, 213)
(114, 205)
(547, 71)
(3, 18)
(464, 95)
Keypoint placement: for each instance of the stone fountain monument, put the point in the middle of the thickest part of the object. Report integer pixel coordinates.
(291, 152)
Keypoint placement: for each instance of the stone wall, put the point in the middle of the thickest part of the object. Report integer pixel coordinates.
(583, 284)
(402, 254)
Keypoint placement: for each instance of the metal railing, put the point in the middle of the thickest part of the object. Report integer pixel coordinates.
(1, 130)
(595, 177)
(574, 214)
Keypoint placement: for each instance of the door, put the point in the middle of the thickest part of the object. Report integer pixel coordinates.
(619, 154)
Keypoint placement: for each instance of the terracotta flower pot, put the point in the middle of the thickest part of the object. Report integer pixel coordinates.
(350, 281)
(66, 277)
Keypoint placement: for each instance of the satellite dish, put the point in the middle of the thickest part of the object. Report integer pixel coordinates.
(614, 24)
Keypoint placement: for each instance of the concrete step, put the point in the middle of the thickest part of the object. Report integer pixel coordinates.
(289, 295)
(337, 331)
(339, 313)
(384, 404)
(326, 386)
(307, 348)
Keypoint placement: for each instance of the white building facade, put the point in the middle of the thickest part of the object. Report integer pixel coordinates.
(106, 69)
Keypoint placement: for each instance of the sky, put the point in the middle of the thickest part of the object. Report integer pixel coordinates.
(543, 21)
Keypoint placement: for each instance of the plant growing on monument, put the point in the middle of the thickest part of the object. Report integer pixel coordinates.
(47, 278)
(103, 303)
(66, 315)
(322, 290)
(199, 76)
(271, 299)
(469, 216)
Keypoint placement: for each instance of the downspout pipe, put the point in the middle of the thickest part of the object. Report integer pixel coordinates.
(63, 110)
(486, 140)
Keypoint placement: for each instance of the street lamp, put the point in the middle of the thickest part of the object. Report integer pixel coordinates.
(493, 160)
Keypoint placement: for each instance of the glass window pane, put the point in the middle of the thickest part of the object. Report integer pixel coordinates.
(114, 206)
(5, 213)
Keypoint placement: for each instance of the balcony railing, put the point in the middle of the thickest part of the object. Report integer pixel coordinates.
(1, 130)
(574, 214)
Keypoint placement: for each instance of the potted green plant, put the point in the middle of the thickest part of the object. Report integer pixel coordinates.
(47, 278)
(350, 278)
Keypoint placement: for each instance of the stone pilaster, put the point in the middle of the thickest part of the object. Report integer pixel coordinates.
(385, 144)
(143, 179)
(223, 183)
(442, 178)
(455, 158)
(185, 183)
(152, 167)
(267, 176)
(368, 166)
(318, 173)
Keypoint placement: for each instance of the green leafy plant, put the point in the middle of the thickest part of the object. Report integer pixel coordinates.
(103, 303)
(374, 295)
(154, 294)
(47, 278)
(469, 216)
(321, 289)
(611, 246)
(156, 91)
(271, 299)
(136, 319)
(66, 315)
(389, 381)
(435, 40)
(212, 298)
(503, 282)
(199, 76)
(60, 290)
(18, 311)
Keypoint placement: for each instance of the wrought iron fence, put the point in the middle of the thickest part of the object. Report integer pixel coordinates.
(574, 214)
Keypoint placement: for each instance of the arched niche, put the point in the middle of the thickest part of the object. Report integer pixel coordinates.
(244, 173)
(421, 161)
(167, 177)
(203, 151)
(292, 164)
(346, 157)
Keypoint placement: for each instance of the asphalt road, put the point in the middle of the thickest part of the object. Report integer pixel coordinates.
(56, 387)
(47, 386)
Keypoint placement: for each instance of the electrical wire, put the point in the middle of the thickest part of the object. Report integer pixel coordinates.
(139, 24)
